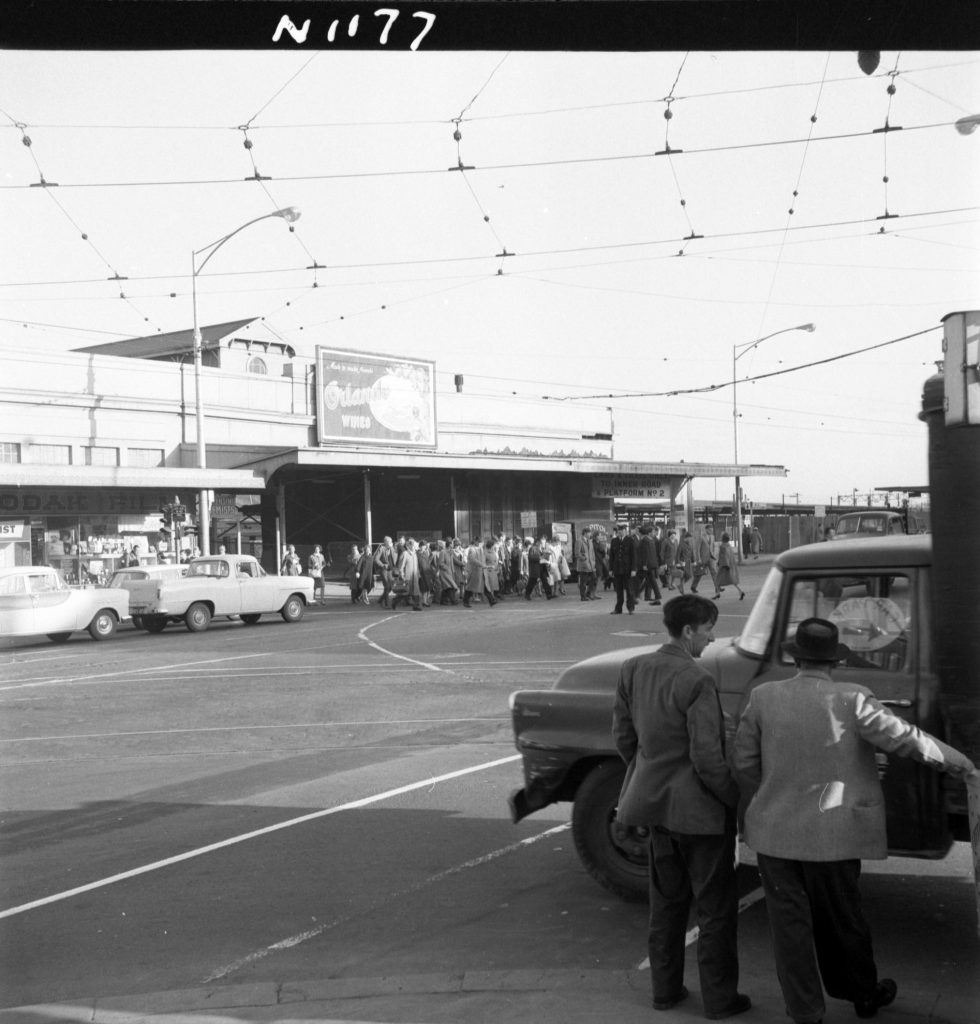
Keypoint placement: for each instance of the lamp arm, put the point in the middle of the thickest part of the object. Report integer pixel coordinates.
(215, 246)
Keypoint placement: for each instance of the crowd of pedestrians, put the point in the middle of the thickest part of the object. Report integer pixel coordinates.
(639, 563)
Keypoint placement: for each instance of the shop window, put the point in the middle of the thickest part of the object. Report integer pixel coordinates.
(98, 455)
(51, 454)
(145, 458)
(257, 365)
(9, 451)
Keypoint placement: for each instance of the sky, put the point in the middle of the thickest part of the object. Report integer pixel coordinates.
(592, 250)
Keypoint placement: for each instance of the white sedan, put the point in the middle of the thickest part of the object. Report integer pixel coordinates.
(36, 601)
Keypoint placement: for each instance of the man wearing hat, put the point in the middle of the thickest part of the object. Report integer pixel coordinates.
(805, 760)
(622, 567)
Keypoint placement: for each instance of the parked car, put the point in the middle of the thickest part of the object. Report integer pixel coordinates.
(876, 524)
(131, 577)
(36, 601)
(218, 585)
(878, 593)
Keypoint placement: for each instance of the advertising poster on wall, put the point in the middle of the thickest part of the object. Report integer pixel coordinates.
(367, 398)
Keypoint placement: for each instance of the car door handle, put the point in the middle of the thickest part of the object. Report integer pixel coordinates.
(896, 703)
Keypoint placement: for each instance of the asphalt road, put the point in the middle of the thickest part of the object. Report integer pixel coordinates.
(321, 800)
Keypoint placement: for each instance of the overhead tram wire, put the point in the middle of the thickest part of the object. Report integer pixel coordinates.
(746, 380)
(609, 246)
(907, 76)
(525, 165)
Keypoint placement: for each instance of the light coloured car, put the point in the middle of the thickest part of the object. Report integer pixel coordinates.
(36, 601)
(131, 578)
(219, 585)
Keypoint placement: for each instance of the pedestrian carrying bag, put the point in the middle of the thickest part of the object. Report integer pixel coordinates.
(399, 584)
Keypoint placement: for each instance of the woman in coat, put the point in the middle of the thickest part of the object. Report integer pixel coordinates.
(446, 578)
(491, 569)
(668, 554)
(727, 569)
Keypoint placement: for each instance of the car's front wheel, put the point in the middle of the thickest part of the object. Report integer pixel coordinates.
(292, 610)
(103, 625)
(198, 617)
(614, 855)
(58, 638)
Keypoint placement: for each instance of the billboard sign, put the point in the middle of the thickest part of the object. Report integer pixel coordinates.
(366, 398)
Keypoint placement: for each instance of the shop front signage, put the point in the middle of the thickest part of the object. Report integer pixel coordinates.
(652, 488)
(14, 531)
(364, 398)
(51, 501)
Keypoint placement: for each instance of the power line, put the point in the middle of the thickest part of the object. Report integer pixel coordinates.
(743, 380)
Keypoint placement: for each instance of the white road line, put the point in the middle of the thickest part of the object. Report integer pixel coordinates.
(250, 728)
(391, 654)
(692, 936)
(234, 840)
(312, 933)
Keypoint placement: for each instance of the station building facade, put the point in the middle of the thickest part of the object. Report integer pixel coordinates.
(347, 448)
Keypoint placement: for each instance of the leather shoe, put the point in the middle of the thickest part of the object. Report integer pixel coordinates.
(739, 1004)
(672, 1001)
(884, 994)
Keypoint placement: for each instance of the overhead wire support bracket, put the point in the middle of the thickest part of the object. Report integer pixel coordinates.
(257, 177)
(669, 151)
(43, 184)
(462, 167)
(117, 277)
(506, 253)
(888, 128)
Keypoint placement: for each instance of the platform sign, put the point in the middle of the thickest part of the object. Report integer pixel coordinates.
(371, 399)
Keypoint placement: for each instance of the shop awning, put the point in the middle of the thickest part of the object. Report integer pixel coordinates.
(164, 478)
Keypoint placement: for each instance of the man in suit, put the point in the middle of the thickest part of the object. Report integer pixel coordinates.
(622, 568)
(805, 756)
(648, 578)
(585, 565)
(668, 728)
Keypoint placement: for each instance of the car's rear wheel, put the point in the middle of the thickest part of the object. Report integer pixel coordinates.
(103, 625)
(615, 856)
(292, 610)
(154, 623)
(198, 617)
(251, 618)
(137, 622)
(58, 638)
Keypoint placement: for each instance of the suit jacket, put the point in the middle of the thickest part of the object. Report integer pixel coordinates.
(804, 753)
(668, 727)
(622, 555)
(647, 553)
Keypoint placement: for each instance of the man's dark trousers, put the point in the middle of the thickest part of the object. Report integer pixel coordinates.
(698, 868)
(826, 895)
(624, 588)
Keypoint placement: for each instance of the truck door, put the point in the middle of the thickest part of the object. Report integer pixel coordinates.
(880, 617)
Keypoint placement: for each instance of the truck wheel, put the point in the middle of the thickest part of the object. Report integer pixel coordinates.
(251, 618)
(198, 617)
(154, 623)
(137, 622)
(292, 610)
(615, 856)
(103, 625)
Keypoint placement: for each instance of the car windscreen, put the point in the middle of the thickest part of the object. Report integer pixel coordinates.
(754, 639)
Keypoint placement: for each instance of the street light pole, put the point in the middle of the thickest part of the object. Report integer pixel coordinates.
(288, 214)
(737, 352)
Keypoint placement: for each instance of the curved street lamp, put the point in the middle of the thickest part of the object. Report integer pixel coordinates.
(288, 214)
(737, 352)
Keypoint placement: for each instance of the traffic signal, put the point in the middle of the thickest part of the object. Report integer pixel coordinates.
(166, 520)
